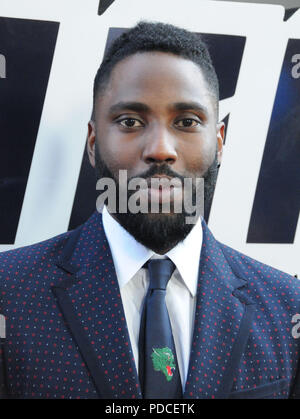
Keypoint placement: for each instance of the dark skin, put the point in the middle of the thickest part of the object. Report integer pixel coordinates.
(156, 109)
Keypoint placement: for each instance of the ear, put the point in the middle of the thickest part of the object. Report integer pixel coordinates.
(220, 140)
(90, 143)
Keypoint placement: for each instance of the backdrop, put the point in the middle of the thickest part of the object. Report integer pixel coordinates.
(49, 53)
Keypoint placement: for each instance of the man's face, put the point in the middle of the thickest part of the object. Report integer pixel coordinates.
(156, 116)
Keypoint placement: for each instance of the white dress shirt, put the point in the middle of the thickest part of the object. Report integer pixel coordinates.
(129, 256)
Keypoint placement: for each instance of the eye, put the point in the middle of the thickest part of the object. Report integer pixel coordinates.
(130, 123)
(187, 123)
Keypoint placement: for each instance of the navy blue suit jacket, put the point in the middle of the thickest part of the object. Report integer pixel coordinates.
(66, 333)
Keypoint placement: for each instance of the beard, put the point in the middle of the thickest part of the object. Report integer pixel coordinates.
(160, 231)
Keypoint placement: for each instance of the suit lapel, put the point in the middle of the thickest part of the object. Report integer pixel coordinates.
(222, 324)
(90, 301)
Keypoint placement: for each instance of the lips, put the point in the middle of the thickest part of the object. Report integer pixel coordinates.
(163, 182)
(161, 188)
(155, 184)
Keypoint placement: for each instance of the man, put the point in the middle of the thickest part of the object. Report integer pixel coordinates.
(82, 320)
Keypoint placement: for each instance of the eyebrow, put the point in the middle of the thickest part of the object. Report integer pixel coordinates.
(130, 106)
(190, 106)
(142, 107)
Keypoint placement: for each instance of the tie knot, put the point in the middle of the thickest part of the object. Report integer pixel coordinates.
(160, 271)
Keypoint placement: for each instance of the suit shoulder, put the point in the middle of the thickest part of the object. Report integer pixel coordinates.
(262, 277)
(25, 258)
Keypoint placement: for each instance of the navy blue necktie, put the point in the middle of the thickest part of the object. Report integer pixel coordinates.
(158, 366)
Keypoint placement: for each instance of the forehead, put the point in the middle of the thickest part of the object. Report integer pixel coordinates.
(157, 78)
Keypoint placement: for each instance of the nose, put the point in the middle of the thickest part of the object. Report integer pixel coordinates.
(160, 147)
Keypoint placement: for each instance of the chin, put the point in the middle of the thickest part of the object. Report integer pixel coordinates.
(157, 231)
(160, 215)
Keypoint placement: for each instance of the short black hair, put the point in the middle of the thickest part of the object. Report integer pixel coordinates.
(162, 37)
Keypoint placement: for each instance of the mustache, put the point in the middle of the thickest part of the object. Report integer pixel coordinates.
(158, 169)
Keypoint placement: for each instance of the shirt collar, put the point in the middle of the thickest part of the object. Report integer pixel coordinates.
(129, 255)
